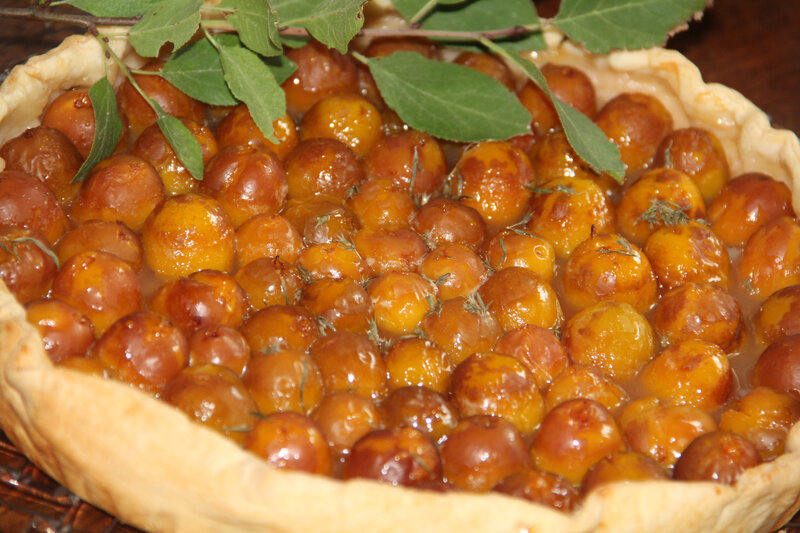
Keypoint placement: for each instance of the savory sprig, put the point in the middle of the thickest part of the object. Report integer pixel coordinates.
(449, 101)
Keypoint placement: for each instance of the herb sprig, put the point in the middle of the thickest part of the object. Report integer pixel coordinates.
(447, 100)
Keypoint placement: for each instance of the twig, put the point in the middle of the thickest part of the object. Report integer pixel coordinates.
(91, 22)
(45, 15)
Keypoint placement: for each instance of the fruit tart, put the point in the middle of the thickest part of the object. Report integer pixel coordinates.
(364, 350)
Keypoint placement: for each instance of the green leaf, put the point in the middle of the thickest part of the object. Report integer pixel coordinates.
(483, 16)
(604, 25)
(332, 22)
(411, 8)
(186, 146)
(104, 8)
(108, 126)
(257, 25)
(169, 21)
(197, 71)
(295, 41)
(447, 100)
(252, 82)
(419, 9)
(281, 67)
(588, 141)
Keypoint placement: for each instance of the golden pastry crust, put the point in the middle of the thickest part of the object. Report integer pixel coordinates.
(150, 465)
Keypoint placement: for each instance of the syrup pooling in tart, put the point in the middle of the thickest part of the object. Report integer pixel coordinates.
(382, 304)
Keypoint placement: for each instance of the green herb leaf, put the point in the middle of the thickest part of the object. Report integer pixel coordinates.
(332, 22)
(257, 25)
(186, 146)
(588, 141)
(475, 305)
(447, 100)
(481, 16)
(169, 21)
(253, 83)
(626, 248)
(197, 71)
(563, 189)
(108, 126)
(104, 8)
(663, 212)
(41, 245)
(604, 25)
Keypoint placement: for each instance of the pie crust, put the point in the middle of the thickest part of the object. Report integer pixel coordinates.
(148, 464)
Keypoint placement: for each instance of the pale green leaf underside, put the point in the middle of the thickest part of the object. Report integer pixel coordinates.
(197, 71)
(332, 22)
(173, 21)
(108, 126)
(104, 8)
(604, 25)
(257, 25)
(448, 100)
(186, 146)
(252, 82)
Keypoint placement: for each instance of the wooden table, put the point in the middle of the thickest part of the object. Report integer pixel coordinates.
(749, 45)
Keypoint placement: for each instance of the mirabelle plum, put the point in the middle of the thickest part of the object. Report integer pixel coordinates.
(637, 123)
(490, 383)
(481, 451)
(346, 117)
(238, 127)
(612, 337)
(608, 267)
(698, 153)
(290, 440)
(492, 175)
(690, 372)
(47, 154)
(246, 180)
(398, 456)
(573, 436)
(121, 188)
(394, 157)
(28, 203)
(101, 286)
(187, 233)
(284, 380)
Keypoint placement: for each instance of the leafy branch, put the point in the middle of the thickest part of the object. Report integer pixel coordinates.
(447, 100)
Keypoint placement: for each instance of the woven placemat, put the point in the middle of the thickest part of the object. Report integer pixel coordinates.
(32, 501)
